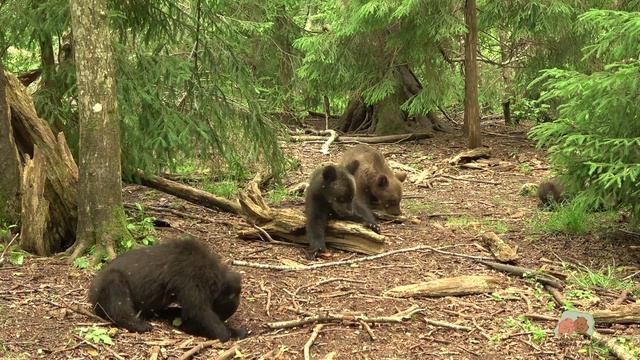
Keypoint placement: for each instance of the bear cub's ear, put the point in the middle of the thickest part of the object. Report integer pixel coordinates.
(353, 166)
(329, 173)
(382, 181)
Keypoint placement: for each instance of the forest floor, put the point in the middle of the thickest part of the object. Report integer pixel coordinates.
(37, 298)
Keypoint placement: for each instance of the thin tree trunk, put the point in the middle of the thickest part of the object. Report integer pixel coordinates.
(101, 218)
(471, 105)
(506, 73)
(9, 161)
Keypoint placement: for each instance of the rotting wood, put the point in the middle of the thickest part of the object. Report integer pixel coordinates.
(621, 314)
(454, 286)
(34, 216)
(471, 154)
(189, 193)
(501, 250)
(611, 344)
(61, 170)
(545, 279)
(383, 139)
(289, 225)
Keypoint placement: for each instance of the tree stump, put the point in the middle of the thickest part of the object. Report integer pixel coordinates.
(60, 188)
(35, 208)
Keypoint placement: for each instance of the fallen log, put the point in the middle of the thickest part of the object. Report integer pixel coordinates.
(622, 314)
(366, 139)
(471, 154)
(545, 279)
(455, 286)
(499, 249)
(189, 193)
(289, 225)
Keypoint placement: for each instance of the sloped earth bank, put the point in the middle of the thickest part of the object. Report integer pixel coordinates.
(36, 321)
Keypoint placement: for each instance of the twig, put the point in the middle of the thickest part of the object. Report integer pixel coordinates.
(483, 332)
(7, 248)
(326, 281)
(527, 301)
(447, 325)
(194, 350)
(312, 339)
(470, 180)
(228, 354)
(351, 261)
(159, 209)
(368, 329)
(621, 298)
(97, 348)
(328, 318)
(155, 351)
(540, 317)
(332, 137)
(522, 271)
(557, 296)
(268, 306)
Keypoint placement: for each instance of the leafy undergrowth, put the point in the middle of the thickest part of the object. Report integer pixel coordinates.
(37, 295)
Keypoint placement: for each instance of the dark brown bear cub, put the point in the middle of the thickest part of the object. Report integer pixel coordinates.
(142, 283)
(377, 185)
(550, 192)
(330, 195)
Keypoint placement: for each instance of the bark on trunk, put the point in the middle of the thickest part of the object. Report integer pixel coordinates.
(507, 76)
(9, 161)
(29, 131)
(101, 218)
(35, 208)
(471, 105)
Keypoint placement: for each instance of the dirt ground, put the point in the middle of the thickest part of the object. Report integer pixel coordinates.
(37, 299)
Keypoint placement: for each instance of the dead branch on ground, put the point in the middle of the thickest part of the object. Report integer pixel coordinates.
(333, 318)
(312, 339)
(611, 344)
(332, 137)
(189, 193)
(454, 286)
(366, 139)
(522, 271)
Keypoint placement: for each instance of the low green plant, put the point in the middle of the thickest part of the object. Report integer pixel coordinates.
(81, 262)
(605, 278)
(575, 217)
(13, 254)
(226, 188)
(526, 169)
(141, 227)
(530, 109)
(95, 334)
(414, 206)
(537, 333)
(278, 194)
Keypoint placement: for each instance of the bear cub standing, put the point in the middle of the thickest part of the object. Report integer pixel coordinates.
(330, 195)
(377, 185)
(145, 281)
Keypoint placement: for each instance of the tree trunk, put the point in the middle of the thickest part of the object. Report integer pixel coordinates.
(507, 76)
(101, 218)
(9, 162)
(471, 105)
(29, 132)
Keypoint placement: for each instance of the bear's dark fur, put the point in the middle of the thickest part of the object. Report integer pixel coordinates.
(330, 195)
(142, 283)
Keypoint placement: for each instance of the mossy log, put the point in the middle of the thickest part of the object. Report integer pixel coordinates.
(289, 225)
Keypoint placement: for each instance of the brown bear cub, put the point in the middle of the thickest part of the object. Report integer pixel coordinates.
(330, 195)
(377, 185)
(550, 193)
(142, 283)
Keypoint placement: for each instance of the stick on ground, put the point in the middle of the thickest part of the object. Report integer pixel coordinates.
(329, 318)
(312, 339)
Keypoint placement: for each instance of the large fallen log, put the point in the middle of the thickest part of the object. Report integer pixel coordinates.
(289, 225)
(455, 286)
(366, 139)
(622, 314)
(60, 190)
(189, 193)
